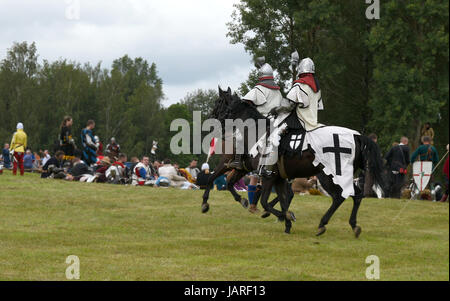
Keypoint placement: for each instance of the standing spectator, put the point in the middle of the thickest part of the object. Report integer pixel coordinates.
(426, 152)
(66, 141)
(192, 169)
(28, 160)
(368, 179)
(397, 160)
(18, 146)
(427, 130)
(445, 171)
(45, 157)
(88, 142)
(113, 149)
(5, 155)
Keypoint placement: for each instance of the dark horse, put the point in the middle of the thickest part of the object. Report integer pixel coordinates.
(366, 154)
(221, 112)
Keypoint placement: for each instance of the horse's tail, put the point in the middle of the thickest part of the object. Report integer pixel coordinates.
(372, 159)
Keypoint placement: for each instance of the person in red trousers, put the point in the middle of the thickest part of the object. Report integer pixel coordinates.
(18, 146)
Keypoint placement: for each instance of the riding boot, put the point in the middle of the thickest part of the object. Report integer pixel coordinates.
(267, 171)
(237, 162)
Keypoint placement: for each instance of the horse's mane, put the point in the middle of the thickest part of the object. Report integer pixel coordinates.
(244, 109)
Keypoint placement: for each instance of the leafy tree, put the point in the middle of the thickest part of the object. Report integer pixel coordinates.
(331, 32)
(201, 100)
(411, 56)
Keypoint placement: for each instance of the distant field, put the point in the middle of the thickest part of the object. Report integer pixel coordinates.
(142, 233)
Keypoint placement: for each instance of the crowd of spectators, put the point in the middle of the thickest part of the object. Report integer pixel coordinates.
(398, 160)
(115, 168)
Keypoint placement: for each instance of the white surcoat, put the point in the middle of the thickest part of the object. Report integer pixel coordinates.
(309, 104)
(264, 98)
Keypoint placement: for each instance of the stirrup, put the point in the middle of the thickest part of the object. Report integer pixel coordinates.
(266, 172)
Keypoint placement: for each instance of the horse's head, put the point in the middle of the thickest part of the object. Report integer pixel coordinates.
(221, 107)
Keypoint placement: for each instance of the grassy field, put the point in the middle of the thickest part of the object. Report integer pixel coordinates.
(142, 233)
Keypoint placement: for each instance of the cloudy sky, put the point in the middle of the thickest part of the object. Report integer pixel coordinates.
(186, 39)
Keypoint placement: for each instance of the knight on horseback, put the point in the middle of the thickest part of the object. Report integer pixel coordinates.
(305, 97)
(265, 96)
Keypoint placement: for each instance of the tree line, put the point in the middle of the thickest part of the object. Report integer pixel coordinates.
(124, 101)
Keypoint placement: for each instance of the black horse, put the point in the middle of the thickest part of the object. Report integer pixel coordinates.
(221, 112)
(366, 154)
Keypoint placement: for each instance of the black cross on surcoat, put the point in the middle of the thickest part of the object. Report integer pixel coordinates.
(337, 150)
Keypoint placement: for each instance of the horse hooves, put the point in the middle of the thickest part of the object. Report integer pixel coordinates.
(265, 214)
(205, 208)
(244, 203)
(287, 231)
(321, 231)
(357, 230)
(291, 216)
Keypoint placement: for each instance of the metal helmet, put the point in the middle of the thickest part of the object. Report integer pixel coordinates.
(113, 139)
(264, 69)
(306, 66)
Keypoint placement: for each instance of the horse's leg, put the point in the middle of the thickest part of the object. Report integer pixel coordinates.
(272, 204)
(218, 171)
(356, 203)
(236, 176)
(266, 190)
(286, 197)
(329, 186)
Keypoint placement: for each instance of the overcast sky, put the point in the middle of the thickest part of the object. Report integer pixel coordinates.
(186, 39)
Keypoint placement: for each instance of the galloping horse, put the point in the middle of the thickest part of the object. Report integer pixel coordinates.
(221, 112)
(366, 154)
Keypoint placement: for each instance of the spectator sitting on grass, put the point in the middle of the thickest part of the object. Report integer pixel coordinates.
(53, 167)
(221, 182)
(167, 171)
(192, 169)
(45, 157)
(28, 160)
(101, 172)
(142, 174)
(79, 169)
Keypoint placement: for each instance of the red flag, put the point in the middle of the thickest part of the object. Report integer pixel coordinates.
(212, 148)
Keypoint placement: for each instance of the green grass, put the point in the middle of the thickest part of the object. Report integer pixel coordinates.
(142, 233)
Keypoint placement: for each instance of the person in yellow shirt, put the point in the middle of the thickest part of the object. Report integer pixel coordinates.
(18, 146)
